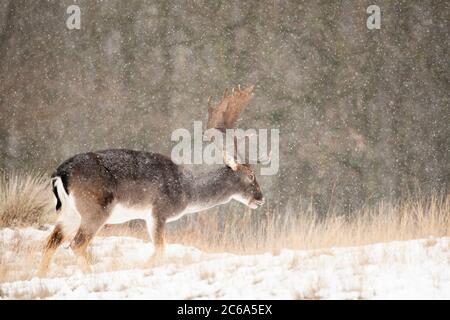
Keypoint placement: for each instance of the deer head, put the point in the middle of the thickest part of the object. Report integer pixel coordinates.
(223, 117)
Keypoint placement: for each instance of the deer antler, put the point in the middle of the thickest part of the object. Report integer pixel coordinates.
(225, 114)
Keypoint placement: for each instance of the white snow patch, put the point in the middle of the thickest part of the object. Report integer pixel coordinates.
(406, 269)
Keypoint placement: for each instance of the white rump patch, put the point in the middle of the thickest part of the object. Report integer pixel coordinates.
(70, 219)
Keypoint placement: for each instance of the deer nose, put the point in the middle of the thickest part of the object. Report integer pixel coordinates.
(260, 201)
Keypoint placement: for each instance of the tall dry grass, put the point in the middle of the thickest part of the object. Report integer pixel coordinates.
(25, 199)
(242, 232)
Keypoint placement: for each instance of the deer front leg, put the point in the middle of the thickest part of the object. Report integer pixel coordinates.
(156, 229)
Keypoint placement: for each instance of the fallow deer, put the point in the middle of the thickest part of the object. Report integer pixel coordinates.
(117, 185)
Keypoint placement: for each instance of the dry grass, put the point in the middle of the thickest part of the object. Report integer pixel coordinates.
(25, 199)
(247, 233)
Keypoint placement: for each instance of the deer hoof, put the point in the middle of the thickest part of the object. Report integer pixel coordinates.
(154, 261)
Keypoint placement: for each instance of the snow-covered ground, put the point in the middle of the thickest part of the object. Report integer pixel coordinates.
(408, 269)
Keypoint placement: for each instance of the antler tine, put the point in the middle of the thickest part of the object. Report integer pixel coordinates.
(225, 93)
(209, 103)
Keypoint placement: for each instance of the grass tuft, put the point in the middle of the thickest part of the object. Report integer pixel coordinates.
(25, 200)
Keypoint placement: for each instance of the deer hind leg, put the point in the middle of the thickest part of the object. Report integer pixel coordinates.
(93, 203)
(53, 242)
(79, 246)
(65, 228)
(87, 231)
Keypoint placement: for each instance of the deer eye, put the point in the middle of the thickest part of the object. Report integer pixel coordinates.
(251, 176)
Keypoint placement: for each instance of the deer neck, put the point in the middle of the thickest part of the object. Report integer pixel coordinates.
(211, 189)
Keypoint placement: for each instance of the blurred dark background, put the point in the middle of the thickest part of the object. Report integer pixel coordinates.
(363, 114)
